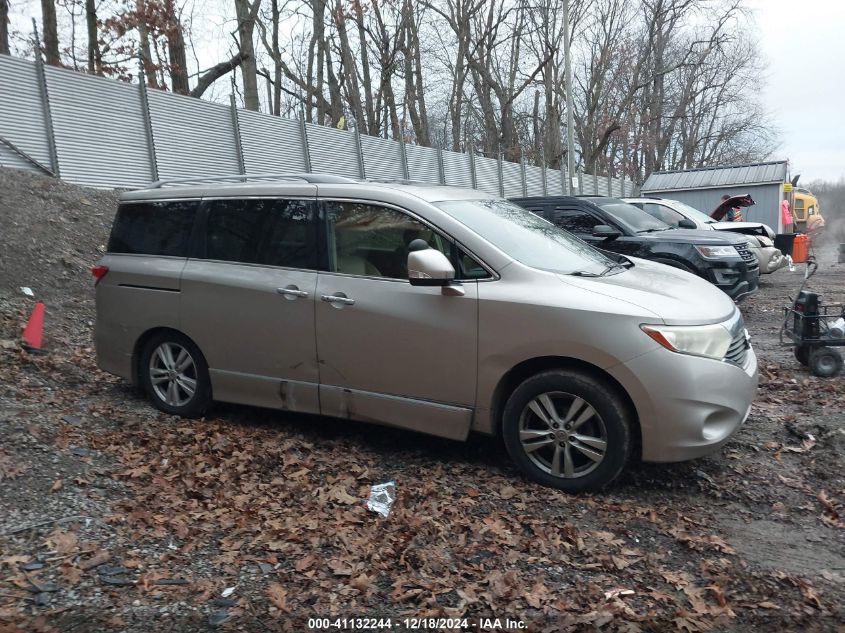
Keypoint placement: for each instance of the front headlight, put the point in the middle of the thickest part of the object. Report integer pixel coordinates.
(717, 252)
(710, 341)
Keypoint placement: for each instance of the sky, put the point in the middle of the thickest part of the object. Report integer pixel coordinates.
(803, 89)
(804, 43)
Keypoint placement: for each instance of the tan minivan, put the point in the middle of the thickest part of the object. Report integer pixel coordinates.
(436, 309)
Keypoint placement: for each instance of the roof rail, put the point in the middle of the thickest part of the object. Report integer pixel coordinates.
(323, 179)
(404, 181)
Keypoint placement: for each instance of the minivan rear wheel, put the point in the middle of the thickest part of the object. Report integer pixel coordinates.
(174, 375)
(567, 430)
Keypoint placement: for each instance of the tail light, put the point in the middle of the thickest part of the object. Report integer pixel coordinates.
(99, 272)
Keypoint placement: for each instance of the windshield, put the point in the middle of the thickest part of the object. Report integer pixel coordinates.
(527, 237)
(691, 212)
(632, 218)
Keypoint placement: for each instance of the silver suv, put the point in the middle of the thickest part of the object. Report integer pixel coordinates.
(435, 309)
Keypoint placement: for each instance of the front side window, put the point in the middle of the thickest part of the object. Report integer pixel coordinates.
(272, 232)
(153, 228)
(663, 213)
(576, 221)
(367, 239)
(630, 217)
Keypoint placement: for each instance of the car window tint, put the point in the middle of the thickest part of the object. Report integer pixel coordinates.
(366, 239)
(575, 220)
(153, 228)
(273, 232)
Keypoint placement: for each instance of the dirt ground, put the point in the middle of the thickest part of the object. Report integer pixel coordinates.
(115, 517)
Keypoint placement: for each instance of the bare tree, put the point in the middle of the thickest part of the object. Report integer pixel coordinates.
(246, 14)
(50, 33)
(95, 58)
(4, 27)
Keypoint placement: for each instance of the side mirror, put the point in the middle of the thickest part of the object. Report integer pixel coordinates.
(686, 223)
(429, 267)
(606, 232)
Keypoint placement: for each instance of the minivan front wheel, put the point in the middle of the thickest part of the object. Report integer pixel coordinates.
(567, 430)
(175, 376)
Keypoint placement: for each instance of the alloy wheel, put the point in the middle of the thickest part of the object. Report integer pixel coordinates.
(563, 435)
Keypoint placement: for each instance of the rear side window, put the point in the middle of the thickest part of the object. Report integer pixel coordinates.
(153, 228)
(271, 232)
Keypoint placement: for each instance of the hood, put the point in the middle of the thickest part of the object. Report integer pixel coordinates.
(694, 236)
(676, 296)
(732, 202)
(748, 228)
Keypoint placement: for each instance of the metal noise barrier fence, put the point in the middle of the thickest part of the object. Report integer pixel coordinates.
(100, 132)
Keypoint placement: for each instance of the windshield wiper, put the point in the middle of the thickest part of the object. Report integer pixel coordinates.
(654, 230)
(585, 273)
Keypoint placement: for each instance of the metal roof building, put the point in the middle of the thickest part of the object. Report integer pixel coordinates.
(703, 188)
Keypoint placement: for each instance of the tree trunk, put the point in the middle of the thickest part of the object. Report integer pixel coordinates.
(4, 27)
(277, 56)
(144, 39)
(372, 121)
(320, 43)
(95, 60)
(175, 50)
(245, 13)
(50, 33)
(350, 69)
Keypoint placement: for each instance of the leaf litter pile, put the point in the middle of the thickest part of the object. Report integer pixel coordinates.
(114, 516)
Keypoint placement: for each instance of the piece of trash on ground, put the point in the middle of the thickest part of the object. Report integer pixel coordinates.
(382, 497)
(228, 591)
(27, 291)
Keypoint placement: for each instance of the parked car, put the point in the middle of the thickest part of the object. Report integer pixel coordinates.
(760, 236)
(612, 225)
(435, 309)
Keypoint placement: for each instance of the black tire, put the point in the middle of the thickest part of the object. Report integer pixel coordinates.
(611, 421)
(802, 354)
(679, 265)
(825, 362)
(184, 403)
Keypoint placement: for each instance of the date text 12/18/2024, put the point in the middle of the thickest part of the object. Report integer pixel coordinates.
(482, 625)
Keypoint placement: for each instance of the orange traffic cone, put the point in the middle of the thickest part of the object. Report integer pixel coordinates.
(33, 333)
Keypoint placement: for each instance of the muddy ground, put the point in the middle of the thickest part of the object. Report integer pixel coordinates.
(116, 517)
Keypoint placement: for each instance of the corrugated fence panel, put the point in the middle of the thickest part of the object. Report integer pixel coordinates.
(99, 128)
(617, 188)
(554, 182)
(192, 137)
(534, 180)
(271, 144)
(512, 177)
(487, 174)
(458, 169)
(10, 158)
(422, 163)
(587, 184)
(382, 157)
(21, 114)
(332, 151)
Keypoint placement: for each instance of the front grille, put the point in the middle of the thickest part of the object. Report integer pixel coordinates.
(745, 253)
(738, 350)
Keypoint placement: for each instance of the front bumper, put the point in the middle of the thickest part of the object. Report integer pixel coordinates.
(687, 406)
(736, 278)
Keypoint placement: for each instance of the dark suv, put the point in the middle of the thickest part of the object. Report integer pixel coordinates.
(616, 226)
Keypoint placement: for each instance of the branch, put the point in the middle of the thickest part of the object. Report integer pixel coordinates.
(215, 73)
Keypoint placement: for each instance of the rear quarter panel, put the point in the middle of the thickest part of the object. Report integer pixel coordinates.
(138, 293)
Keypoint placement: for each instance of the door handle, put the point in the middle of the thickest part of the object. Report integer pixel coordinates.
(291, 291)
(338, 298)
